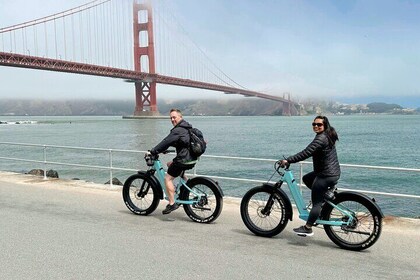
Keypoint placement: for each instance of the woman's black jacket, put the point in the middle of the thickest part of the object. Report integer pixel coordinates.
(324, 156)
(179, 138)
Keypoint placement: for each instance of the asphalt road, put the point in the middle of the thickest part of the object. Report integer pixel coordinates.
(59, 229)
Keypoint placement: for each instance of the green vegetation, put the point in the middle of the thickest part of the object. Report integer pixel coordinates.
(324, 107)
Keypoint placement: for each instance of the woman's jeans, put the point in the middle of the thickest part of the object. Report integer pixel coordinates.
(319, 186)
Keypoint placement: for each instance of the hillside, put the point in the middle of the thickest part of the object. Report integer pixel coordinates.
(244, 107)
(233, 107)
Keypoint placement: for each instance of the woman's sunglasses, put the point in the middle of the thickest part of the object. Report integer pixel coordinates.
(317, 124)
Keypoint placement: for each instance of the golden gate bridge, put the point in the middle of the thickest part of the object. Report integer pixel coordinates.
(125, 39)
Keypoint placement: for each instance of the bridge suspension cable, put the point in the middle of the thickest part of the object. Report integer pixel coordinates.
(100, 32)
(63, 14)
(98, 39)
(94, 33)
(180, 56)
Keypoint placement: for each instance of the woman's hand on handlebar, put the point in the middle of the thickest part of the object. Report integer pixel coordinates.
(284, 163)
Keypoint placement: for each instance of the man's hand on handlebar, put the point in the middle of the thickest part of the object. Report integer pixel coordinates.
(149, 158)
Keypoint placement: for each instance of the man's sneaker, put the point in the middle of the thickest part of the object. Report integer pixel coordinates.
(303, 231)
(169, 208)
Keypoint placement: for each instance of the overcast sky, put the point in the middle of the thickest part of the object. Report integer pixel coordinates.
(339, 50)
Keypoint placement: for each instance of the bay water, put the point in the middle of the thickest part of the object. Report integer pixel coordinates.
(377, 140)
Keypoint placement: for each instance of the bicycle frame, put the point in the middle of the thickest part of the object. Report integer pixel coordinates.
(287, 176)
(160, 175)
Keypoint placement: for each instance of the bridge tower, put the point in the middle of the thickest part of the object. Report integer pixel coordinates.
(146, 104)
(287, 110)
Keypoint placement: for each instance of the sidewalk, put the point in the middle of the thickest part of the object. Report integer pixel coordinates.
(231, 204)
(62, 229)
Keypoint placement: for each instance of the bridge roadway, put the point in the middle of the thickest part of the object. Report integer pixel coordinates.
(42, 63)
(58, 229)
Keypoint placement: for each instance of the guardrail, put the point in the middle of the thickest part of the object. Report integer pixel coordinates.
(111, 168)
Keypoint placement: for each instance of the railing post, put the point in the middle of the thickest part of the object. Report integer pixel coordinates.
(110, 167)
(300, 176)
(45, 162)
(195, 168)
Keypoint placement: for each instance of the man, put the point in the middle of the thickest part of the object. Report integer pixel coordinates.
(179, 138)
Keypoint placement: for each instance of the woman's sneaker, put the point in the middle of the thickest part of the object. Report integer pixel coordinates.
(169, 208)
(303, 231)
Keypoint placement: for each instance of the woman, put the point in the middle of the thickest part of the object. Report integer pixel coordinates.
(326, 168)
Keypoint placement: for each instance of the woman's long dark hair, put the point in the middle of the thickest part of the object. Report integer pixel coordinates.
(329, 130)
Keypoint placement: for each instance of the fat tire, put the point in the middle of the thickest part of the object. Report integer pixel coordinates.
(216, 206)
(251, 205)
(371, 220)
(143, 204)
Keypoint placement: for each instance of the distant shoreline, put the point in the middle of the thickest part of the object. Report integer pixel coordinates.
(238, 107)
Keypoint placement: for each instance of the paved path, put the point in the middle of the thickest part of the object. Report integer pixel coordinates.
(60, 229)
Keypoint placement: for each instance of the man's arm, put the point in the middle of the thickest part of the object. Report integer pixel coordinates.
(168, 141)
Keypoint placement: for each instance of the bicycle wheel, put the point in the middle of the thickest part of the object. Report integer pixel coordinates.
(209, 206)
(365, 229)
(263, 211)
(140, 194)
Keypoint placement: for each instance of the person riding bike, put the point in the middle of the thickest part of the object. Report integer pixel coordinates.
(184, 160)
(326, 168)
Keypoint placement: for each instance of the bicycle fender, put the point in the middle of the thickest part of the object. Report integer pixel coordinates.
(288, 205)
(211, 181)
(155, 182)
(361, 196)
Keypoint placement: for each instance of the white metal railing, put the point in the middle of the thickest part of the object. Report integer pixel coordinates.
(111, 168)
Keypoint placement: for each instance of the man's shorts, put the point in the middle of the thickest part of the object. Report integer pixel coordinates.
(176, 168)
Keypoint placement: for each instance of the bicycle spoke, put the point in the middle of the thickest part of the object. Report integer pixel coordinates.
(264, 221)
(362, 227)
(206, 203)
(139, 195)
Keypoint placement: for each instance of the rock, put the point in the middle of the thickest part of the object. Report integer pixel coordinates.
(39, 172)
(36, 172)
(115, 181)
(52, 173)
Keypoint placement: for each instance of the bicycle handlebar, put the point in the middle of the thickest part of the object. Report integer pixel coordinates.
(149, 158)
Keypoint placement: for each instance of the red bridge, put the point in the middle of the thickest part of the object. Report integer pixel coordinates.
(80, 41)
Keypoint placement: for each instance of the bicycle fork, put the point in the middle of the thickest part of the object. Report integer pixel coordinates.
(267, 208)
